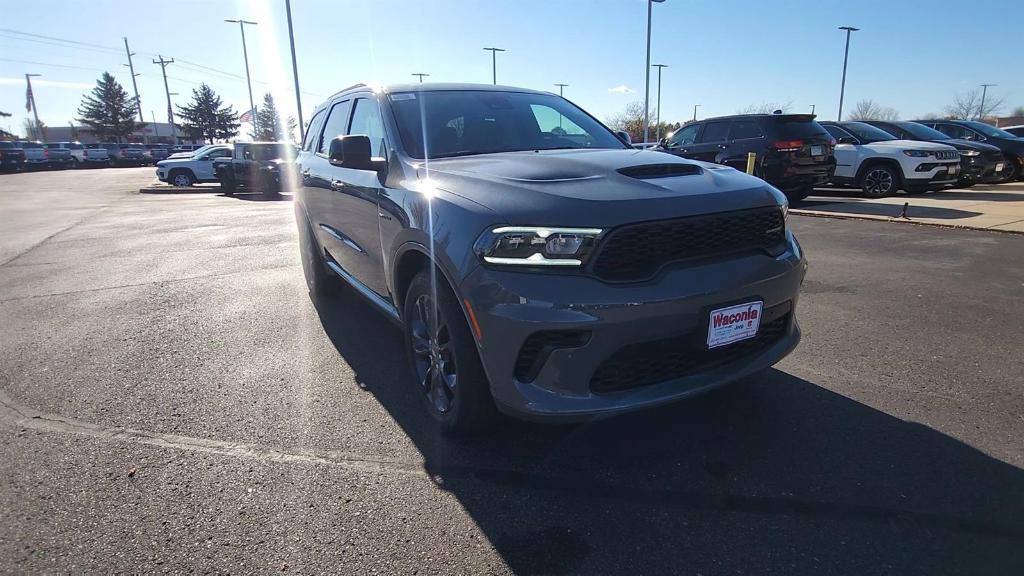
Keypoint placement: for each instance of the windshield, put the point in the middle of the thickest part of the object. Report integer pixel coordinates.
(867, 133)
(53, 146)
(31, 145)
(921, 131)
(990, 131)
(199, 151)
(467, 122)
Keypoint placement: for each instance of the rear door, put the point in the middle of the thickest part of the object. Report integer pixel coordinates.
(745, 135)
(713, 142)
(846, 154)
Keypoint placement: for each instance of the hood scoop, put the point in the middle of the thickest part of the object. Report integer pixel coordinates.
(652, 171)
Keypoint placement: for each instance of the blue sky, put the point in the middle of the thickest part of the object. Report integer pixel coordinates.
(723, 55)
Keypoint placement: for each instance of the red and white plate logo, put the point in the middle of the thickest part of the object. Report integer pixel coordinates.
(728, 325)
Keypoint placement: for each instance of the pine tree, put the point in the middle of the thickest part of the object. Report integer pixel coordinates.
(109, 111)
(290, 126)
(268, 122)
(206, 117)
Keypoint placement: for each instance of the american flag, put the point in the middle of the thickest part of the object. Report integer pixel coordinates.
(247, 117)
(28, 98)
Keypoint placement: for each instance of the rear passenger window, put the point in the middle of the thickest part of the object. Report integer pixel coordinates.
(366, 120)
(744, 129)
(950, 130)
(334, 125)
(715, 132)
(837, 132)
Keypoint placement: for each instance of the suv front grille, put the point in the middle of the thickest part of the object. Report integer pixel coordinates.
(947, 154)
(637, 251)
(646, 363)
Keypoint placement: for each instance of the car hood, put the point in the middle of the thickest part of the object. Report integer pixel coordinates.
(911, 145)
(173, 160)
(596, 187)
(961, 144)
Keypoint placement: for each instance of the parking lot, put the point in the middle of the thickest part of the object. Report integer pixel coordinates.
(172, 400)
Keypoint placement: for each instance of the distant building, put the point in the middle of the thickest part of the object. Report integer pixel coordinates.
(1009, 121)
(153, 133)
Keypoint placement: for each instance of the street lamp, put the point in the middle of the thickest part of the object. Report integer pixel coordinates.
(421, 75)
(695, 112)
(846, 56)
(658, 121)
(812, 108)
(494, 62)
(248, 80)
(560, 86)
(981, 109)
(647, 70)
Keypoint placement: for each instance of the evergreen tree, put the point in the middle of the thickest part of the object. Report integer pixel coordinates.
(109, 111)
(206, 117)
(268, 122)
(290, 126)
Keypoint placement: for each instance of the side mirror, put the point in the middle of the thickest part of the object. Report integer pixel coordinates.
(846, 140)
(353, 151)
(624, 136)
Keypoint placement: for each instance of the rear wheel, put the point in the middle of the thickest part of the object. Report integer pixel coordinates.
(443, 356)
(318, 280)
(1011, 170)
(879, 181)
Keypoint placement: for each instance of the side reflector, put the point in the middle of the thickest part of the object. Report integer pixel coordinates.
(472, 320)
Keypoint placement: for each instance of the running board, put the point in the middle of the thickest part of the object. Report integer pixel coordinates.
(366, 292)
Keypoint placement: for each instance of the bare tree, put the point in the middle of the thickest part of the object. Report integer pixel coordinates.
(869, 110)
(967, 106)
(767, 108)
(1018, 111)
(631, 120)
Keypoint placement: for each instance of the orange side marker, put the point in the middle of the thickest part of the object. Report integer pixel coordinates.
(472, 320)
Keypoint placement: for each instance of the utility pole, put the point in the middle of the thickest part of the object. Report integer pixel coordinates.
(647, 71)
(295, 70)
(695, 112)
(657, 130)
(846, 56)
(32, 102)
(421, 75)
(135, 86)
(560, 86)
(170, 111)
(981, 109)
(494, 62)
(248, 80)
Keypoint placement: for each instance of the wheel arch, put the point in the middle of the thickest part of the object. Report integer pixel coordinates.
(410, 259)
(875, 161)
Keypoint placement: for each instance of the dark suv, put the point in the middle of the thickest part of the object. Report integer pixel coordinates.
(794, 153)
(1012, 146)
(979, 162)
(536, 262)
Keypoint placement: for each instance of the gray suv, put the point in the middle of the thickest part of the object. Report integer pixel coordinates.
(537, 263)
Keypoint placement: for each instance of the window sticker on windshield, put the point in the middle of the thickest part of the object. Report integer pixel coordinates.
(403, 96)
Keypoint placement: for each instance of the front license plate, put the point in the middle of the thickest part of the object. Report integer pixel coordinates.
(999, 167)
(817, 151)
(735, 323)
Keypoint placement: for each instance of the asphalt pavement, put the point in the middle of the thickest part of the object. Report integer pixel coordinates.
(171, 400)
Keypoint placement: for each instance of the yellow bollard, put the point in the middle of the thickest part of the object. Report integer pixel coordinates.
(750, 162)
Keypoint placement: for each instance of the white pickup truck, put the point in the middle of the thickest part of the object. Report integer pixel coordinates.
(96, 155)
(192, 169)
(35, 154)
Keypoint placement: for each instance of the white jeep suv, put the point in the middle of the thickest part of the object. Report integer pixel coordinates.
(187, 171)
(880, 164)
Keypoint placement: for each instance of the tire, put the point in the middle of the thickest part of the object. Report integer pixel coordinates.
(449, 377)
(268, 189)
(798, 194)
(879, 181)
(75, 164)
(319, 281)
(1011, 172)
(182, 178)
(228, 187)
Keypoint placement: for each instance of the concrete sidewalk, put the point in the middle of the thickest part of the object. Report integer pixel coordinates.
(990, 207)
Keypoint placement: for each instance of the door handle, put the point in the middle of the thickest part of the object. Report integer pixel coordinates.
(723, 146)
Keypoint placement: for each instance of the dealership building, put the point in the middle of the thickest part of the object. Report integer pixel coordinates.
(152, 133)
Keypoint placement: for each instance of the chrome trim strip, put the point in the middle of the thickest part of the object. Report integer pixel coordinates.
(342, 238)
(365, 291)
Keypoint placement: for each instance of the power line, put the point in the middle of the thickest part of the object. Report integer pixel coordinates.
(111, 48)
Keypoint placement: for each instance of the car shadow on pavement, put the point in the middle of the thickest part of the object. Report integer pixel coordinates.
(775, 474)
(258, 197)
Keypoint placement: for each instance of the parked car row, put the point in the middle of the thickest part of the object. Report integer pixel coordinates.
(25, 155)
(795, 153)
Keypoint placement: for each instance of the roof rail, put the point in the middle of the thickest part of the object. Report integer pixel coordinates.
(343, 90)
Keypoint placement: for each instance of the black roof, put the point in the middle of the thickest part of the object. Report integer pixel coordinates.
(790, 117)
(435, 87)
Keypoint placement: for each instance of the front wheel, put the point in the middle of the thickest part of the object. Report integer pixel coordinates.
(182, 179)
(443, 356)
(879, 181)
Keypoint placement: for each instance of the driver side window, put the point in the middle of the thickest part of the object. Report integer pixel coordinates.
(684, 136)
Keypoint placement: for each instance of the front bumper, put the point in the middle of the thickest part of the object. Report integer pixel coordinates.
(937, 176)
(510, 306)
(161, 174)
(981, 169)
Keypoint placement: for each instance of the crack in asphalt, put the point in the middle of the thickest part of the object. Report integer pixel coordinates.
(448, 477)
(51, 236)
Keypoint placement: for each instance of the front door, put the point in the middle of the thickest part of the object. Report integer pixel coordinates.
(713, 142)
(203, 169)
(681, 141)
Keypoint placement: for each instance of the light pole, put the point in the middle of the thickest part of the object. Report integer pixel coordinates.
(657, 126)
(38, 132)
(245, 54)
(295, 70)
(560, 86)
(421, 75)
(981, 109)
(695, 112)
(812, 108)
(846, 56)
(494, 62)
(647, 70)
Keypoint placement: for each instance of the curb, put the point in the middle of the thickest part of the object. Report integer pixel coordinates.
(873, 218)
(178, 189)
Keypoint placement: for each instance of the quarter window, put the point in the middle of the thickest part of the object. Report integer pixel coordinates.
(366, 120)
(715, 132)
(334, 126)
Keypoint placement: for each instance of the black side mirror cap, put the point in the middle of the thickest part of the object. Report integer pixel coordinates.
(353, 151)
(624, 136)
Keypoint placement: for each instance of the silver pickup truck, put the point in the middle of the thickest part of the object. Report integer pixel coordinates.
(35, 154)
(96, 155)
(127, 154)
(58, 155)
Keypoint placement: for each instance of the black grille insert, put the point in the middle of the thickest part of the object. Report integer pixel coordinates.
(637, 251)
(649, 171)
(540, 345)
(645, 363)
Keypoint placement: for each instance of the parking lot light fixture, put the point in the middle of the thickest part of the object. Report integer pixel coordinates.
(695, 112)
(657, 122)
(846, 57)
(245, 55)
(647, 72)
(494, 63)
(421, 75)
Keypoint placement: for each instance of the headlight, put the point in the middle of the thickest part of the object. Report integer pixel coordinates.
(917, 153)
(537, 246)
(970, 153)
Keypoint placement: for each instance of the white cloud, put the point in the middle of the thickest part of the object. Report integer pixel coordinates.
(622, 89)
(44, 82)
